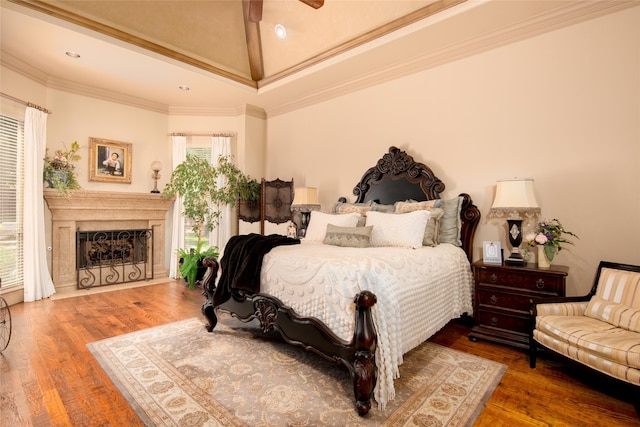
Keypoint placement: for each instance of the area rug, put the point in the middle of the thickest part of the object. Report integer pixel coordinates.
(181, 375)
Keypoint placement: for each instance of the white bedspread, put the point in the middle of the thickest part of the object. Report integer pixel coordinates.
(419, 291)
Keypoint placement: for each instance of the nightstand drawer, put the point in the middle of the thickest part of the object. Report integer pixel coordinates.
(512, 322)
(535, 282)
(493, 298)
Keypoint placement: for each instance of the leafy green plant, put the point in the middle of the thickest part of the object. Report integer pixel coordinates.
(59, 170)
(196, 181)
(192, 262)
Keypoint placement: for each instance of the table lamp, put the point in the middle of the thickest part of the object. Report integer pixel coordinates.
(514, 197)
(305, 200)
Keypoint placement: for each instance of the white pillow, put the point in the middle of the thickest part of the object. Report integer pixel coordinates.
(317, 228)
(404, 230)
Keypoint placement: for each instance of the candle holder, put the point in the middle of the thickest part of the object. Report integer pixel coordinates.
(156, 167)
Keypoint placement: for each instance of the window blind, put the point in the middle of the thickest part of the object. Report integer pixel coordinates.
(11, 201)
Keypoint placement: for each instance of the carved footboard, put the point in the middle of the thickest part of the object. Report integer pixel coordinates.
(309, 333)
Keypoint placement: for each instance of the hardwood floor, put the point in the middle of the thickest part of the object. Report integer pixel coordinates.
(49, 378)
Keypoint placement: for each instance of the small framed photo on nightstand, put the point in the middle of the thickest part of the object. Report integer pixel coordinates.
(491, 253)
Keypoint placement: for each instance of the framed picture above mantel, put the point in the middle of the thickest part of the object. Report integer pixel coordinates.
(109, 161)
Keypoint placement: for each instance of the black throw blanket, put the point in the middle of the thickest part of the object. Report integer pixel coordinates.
(241, 263)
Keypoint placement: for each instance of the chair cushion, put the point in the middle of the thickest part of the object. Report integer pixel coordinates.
(594, 336)
(620, 315)
(584, 356)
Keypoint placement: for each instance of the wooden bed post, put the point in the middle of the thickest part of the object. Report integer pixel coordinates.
(208, 287)
(364, 373)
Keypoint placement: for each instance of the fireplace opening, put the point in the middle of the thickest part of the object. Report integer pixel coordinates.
(114, 256)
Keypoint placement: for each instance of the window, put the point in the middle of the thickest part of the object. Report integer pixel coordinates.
(11, 201)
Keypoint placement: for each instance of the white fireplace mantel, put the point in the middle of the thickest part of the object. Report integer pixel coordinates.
(101, 210)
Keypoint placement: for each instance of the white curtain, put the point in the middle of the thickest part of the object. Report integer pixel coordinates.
(219, 236)
(177, 227)
(37, 279)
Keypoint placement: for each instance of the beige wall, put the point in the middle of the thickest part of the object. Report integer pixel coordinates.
(562, 108)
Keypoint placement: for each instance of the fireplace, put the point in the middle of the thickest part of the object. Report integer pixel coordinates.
(99, 213)
(109, 257)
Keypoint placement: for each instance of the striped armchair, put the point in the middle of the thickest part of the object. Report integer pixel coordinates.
(600, 330)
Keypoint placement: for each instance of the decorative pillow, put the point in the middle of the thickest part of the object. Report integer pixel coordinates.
(403, 230)
(619, 315)
(450, 224)
(381, 208)
(361, 208)
(410, 206)
(433, 225)
(317, 228)
(343, 208)
(620, 286)
(351, 237)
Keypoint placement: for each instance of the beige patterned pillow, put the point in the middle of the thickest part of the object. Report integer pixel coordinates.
(361, 208)
(351, 237)
(402, 207)
(433, 225)
(343, 208)
(620, 315)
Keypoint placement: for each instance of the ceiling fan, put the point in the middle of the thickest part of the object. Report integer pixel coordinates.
(255, 8)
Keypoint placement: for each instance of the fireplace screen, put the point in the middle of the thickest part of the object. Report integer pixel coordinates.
(112, 257)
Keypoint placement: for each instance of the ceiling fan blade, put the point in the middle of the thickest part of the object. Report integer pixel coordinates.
(255, 10)
(316, 4)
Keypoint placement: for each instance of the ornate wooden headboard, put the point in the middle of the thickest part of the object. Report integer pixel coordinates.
(397, 177)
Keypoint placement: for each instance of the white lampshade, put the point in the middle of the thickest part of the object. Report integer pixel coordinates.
(305, 198)
(515, 194)
(156, 166)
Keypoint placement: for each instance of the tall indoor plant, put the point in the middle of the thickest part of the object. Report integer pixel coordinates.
(195, 180)
(59, 169)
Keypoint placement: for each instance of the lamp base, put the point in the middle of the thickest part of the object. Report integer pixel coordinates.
(304, 218)
(515, 259)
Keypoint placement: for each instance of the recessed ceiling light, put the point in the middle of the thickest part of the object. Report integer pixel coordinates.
(184, 87)
(281, 31)
(72, 54)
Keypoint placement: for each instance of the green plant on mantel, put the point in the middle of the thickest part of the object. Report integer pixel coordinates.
(59, 170)
(195, 180)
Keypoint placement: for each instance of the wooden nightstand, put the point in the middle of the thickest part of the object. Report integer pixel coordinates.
(502, 299)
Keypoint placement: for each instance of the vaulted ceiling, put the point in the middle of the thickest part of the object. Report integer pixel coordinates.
(140, 51)
(236, 39)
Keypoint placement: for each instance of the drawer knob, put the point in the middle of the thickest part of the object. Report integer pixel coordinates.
(493, 299)
(540, 284)
(494, 321)
(493, 278)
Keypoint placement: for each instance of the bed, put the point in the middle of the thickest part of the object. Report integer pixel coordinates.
(363, 307)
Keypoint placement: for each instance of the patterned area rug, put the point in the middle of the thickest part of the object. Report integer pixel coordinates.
(181, 375)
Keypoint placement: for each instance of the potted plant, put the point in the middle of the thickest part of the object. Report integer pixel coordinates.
(59, 170)
(195, 180)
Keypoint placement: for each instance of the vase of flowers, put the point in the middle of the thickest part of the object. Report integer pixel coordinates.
(548, 237)
(59, 170)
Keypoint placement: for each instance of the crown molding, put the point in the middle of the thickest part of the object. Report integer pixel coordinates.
(11, 62)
